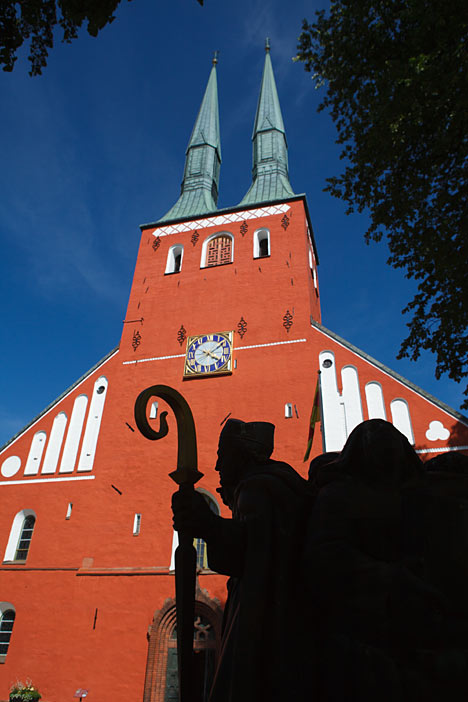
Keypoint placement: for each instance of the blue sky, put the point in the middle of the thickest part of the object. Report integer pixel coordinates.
(95, 146)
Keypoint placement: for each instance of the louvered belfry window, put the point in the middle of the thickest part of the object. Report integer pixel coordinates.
(219, 251)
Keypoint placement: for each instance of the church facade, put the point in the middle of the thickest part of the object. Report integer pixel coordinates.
(224, 308)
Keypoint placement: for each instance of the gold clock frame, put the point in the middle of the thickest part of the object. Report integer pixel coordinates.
(226, 368)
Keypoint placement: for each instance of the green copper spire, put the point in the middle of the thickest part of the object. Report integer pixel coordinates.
(199, 190)
(270, 150)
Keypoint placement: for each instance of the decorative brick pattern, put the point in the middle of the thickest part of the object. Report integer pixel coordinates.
(156, 243)
(244, 228)
(287, 321)
(219, 251)
(194, 238)
(136, 340)
(222, 219)
(241, 327)
(285, 222)
(181, 334)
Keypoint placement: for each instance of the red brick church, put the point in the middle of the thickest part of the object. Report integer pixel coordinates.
(225, 308)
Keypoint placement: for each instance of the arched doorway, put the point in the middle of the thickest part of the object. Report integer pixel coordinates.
(161, 683)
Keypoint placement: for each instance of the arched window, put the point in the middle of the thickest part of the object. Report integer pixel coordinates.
(20, 536)
(7, 619)
(24, 542)
(174, 259)
(199, 544)
(261, 243)
(217, 250)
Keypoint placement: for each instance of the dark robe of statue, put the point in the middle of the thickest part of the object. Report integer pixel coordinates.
(382, 627)
(259, 549)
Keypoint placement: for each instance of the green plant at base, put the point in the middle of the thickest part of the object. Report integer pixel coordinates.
(24, 692)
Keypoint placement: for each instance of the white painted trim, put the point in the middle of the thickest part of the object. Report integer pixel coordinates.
(154, 358)
(75, 387)
(219, 220)
(237, 348)
(46, 480)
(373, 365)
(272, 343)
(443, 449)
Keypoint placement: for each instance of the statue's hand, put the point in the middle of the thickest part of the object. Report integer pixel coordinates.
(192, 514)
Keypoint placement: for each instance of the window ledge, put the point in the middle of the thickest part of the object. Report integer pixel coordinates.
(266, 256)
(18, 562)
(217, 265)
(171, 272)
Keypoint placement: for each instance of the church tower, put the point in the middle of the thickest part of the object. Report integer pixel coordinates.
(225, 308)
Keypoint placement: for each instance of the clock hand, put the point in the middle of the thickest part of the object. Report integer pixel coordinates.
(208, 353)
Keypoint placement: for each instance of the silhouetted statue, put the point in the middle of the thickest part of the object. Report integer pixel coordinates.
(384, 629)
(259, 549)
(440, 511)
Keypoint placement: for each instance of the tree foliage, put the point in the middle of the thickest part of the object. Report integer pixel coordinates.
(396, 78)
(37, 20)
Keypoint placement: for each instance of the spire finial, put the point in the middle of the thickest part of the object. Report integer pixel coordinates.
(199, 192)
(270, 150)
(215, 58)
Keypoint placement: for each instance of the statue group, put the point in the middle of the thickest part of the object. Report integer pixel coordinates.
(350, 586)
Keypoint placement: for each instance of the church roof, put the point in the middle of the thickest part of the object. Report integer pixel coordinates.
(199, 190)
(270, 149)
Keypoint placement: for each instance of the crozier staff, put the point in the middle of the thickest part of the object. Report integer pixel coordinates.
(257, 549)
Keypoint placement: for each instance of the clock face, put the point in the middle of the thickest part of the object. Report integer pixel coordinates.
(208, 354)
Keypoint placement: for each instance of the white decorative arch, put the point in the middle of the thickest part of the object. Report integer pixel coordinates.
(333, 418)
(15, 533)
(55, 444)
(261, 243)
(351, 397)
(203, 263)
(93, 424)
(70, 451)
(375, 401)
(401, 418)
(35, 453)
(175, 257)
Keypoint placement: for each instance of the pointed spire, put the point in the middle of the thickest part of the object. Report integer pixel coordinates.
(270, 149)
(199, 190)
